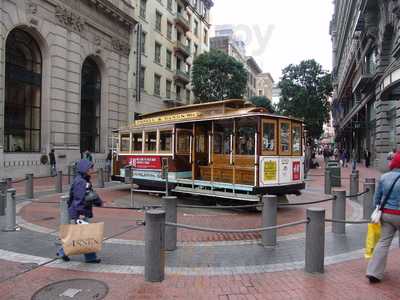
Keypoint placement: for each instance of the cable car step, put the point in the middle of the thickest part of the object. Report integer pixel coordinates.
(210, 193)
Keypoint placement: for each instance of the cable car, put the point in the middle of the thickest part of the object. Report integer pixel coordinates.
(228, 149)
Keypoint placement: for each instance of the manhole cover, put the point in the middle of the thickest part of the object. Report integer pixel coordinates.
(73, 289)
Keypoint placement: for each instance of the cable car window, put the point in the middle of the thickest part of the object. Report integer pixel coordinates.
(285, 140)
(150, 141)
(137, 139)
(166, 141)
(125, 139)
(245, 136)
(296, 135)
(183, 143)
(269, 137)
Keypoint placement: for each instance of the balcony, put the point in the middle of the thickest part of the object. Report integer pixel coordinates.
(182, 77)
(182, 49)
(172, 99)
(362, 78)
(182, 22)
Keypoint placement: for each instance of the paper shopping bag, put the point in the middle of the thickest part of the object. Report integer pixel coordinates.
(82, 239)
(373, 236)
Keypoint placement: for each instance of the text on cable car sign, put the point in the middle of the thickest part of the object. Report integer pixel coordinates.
(145, 162)
(170, 118)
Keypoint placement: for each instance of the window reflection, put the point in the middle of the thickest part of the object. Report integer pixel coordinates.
(269, 137)
(285, 137)
(296, 139)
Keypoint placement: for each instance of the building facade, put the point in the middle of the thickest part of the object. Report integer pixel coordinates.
(170, 35)
(253, 71)
(265, 84)
(229, 45)
(63, 80)
(366, 74)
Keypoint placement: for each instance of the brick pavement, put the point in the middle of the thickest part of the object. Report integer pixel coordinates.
(117, 220)
(340, 281)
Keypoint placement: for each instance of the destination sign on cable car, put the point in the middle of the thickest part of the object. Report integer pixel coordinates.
(145, 162)
(170, 118)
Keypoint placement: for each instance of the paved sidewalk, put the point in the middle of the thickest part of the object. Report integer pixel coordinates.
(205, 266)
(340, 281)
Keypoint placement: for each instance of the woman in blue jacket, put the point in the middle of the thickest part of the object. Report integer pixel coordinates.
(390, 219)
(77, 206)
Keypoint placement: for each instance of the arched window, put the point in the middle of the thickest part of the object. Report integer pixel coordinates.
(90, 106)
(23, 83)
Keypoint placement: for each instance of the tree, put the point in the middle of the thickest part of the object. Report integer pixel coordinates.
(306, 89)
(263, 101)
(217, 76)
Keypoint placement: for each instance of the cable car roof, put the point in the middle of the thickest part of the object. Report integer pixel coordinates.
(227, 109)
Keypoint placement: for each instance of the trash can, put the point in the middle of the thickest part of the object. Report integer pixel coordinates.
(334, 167)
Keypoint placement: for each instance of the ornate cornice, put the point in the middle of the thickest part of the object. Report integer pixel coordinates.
(120, 46)
(124, 12)
(69, 18)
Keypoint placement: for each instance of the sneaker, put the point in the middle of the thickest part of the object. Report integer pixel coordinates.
(65, 258)
(96, 261)
(373, 279)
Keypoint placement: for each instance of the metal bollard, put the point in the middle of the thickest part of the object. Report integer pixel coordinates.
(3, 196)
(100, 178)
(170, 207)
(154, 265)
(59, 182)
(328, 182)
(9, 182)
(368, 201)
(339, 211)
(29, 186)
(269, 218)
(315, 241)
(64, 215)
(354, 183)
(11, 211)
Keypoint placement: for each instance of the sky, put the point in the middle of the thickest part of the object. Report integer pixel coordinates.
(280, 32)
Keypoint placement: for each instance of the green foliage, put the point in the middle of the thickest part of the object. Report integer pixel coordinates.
(217, 76)
(305, 92)
(263, 101)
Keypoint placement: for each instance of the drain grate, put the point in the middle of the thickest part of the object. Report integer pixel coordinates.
(73, 289)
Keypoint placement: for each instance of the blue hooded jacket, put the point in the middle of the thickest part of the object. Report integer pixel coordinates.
(78, 189)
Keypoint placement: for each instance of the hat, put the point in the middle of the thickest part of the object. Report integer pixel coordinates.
(395, 163)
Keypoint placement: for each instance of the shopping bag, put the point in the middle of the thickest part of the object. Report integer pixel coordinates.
(81, 239)
(373, 236)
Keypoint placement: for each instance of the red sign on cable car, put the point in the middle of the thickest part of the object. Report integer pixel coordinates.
(145, 162)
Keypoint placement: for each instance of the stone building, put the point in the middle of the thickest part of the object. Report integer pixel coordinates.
(265, 84)
(366, 73)
(253, 71)
(63, 80)
(171, 34)
(229, 45)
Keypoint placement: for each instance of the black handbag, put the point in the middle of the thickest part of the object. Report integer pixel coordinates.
(92, 199)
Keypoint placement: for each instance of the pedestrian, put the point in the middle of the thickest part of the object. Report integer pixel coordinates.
(367, 157)
(390, 218)
(354, 159)
(52, 158)
(108, 162)
(88, 156)
(343, 158)
(77, 206)
(326, 154)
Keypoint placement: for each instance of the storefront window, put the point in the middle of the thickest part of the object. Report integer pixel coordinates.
(165, 141)
(137, 139)
(284, 131)
(150, 141)
(125, 137)
(183, 143)
(269, 137)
